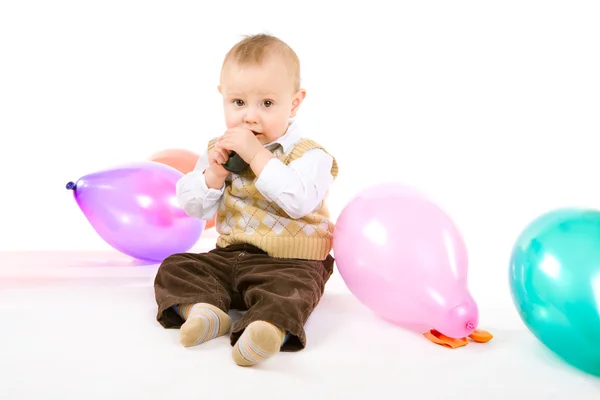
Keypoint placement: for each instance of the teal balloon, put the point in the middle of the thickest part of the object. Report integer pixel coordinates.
(555, 284)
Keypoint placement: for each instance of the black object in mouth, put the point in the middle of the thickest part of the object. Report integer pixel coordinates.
(235, 163)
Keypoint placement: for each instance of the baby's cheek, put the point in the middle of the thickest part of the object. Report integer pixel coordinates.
(232, 119)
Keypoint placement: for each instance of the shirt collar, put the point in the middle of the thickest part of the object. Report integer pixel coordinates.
(289, 138)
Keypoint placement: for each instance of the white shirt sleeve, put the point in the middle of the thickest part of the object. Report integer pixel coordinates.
(299, 187)
(194, 196)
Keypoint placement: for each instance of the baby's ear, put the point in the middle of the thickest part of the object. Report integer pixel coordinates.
(298, 99)
(219, 89)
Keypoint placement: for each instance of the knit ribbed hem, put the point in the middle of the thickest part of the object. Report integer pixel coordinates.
(283, 247)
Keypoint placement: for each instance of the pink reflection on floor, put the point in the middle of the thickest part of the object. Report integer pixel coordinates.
(20, 269)
(97, 267)
(68, 259)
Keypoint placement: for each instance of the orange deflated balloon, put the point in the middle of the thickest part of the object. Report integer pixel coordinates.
(182, 160)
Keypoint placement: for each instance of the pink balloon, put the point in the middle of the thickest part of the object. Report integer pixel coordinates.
(134, 208)
(403, 257)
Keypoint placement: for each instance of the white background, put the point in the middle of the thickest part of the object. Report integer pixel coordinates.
(491, 107)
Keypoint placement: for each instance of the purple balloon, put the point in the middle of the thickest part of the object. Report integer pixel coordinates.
(134, 208)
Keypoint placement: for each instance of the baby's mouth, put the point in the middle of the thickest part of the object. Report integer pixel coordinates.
(255, 133)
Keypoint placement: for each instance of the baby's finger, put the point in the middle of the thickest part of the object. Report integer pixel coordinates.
(213, 156)
(218, 157)
(223, 153)
(224, 143)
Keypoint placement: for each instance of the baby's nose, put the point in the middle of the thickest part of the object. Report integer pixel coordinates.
(251, 116)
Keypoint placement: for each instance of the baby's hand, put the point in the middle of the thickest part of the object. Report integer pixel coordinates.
(242, 141)
(216, 158)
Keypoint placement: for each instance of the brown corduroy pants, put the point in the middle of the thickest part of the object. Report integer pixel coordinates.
(281, 291)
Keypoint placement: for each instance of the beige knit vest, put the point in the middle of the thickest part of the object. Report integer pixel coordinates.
(245, 216)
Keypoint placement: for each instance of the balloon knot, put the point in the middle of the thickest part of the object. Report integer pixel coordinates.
(71, 186)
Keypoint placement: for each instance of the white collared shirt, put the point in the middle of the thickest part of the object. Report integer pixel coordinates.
(298, 188)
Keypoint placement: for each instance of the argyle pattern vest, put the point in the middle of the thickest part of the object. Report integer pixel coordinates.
(246, 216)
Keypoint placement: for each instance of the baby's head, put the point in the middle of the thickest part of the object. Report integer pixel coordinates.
(260, 85)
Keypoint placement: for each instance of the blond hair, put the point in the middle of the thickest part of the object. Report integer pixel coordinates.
(254, 49)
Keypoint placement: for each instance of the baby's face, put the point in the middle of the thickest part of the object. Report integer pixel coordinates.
(261, 98)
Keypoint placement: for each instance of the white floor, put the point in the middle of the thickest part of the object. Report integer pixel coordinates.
(77, 325)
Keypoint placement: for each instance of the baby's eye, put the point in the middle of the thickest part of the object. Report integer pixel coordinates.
(267, 103)
(238, 102)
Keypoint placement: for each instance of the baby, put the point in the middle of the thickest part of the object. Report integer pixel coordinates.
(272, 257)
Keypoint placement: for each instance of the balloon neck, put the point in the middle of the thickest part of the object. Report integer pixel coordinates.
(460, 321)
(71, 186)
